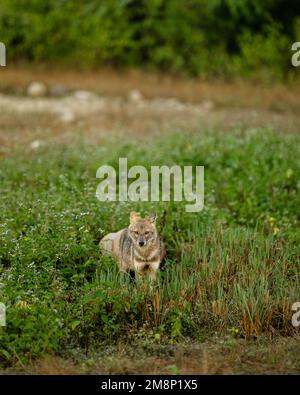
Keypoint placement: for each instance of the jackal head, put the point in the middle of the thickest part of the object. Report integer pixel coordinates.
(142, 230)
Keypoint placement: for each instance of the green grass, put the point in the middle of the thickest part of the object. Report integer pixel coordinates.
(231, 268)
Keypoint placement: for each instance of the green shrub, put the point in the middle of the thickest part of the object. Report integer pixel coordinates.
(220, 37)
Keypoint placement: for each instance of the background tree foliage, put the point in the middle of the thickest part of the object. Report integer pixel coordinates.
(215, 38)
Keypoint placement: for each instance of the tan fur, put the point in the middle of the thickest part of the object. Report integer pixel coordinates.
(137, 247)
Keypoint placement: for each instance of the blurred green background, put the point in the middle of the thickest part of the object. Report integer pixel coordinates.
(223, 38)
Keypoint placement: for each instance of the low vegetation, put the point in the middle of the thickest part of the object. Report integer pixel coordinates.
(233, 268)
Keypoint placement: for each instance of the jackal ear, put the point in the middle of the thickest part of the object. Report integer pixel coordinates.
(152, 218)
(134, 216)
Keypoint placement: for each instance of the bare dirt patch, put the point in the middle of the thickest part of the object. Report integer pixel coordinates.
(156, 107)
(218, 356)
(113, 83)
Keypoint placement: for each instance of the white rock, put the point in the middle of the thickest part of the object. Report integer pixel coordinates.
(84, 95)
(208, 105)
(36, 144)
(135, 95)
(36, 89)
(58, 90)
(67, 116)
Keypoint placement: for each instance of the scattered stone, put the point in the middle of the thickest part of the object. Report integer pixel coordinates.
(208, 105)
(84, 95)
(170, 104)
(135, 96)
(58, 90)
(36, 89)
(36, 144)
(67, 116)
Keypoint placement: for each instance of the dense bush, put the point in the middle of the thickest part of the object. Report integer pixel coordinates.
(218, 37)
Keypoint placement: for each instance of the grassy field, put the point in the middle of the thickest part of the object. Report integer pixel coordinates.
(231, 273)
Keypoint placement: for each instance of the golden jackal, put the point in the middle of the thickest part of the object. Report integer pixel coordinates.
(138, 247)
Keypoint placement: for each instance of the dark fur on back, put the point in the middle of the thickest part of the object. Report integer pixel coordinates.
(126, 246)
